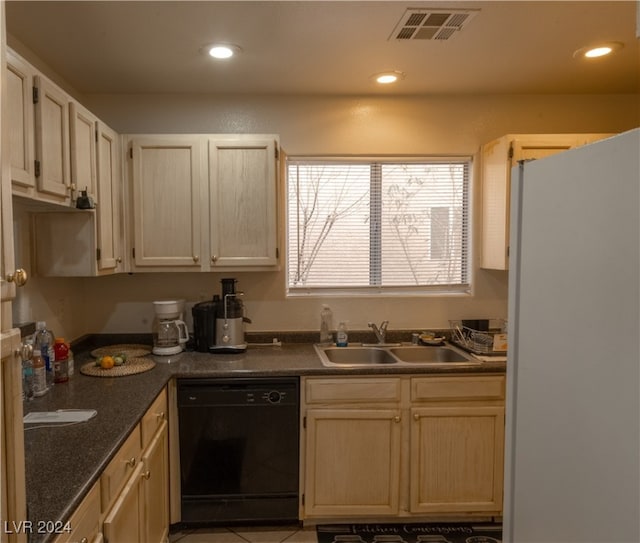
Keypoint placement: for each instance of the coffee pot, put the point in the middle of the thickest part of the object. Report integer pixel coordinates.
(170, 333)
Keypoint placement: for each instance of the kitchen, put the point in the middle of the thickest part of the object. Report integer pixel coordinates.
(443, 122)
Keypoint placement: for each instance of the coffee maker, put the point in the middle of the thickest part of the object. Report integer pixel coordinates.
(169, 332)
(218, 324)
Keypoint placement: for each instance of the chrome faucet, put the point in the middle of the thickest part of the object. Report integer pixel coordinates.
(379, 332)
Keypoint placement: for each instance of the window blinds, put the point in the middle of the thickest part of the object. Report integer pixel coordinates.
(362, 225)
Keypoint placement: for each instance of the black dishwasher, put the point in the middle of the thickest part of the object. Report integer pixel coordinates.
(239, 450)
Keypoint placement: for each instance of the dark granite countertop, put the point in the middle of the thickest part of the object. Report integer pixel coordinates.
(63, 463)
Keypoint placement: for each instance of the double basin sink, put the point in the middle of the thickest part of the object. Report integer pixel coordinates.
(396, 355)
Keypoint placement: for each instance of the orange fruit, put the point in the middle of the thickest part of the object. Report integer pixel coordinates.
(107, 362)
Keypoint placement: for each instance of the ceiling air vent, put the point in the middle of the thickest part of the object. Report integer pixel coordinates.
(432, 24)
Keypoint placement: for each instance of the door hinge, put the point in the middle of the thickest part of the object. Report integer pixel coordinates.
(36, 168)
(510, 155)
(277, 253)
(98, 254)
(35, 94)
(131, 152)
(304, 422)
(302, 499)
(133, 252)
(96, 134)
(277, 152)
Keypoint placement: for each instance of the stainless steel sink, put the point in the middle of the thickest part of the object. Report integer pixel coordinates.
(359, 355)
(407, 355)
(429, 355)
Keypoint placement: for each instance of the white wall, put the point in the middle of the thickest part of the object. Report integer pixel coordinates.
(319, 125)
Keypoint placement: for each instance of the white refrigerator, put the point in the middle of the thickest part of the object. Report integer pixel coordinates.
(573, 382)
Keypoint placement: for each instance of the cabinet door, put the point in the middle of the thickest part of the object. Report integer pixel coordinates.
(84, 524)
(456, 459)
(167, 179)
(20, 113)
(123, 522)
(82, 133)
(52, 141)
(497, 159)
(13, 505)
(242, 184)
(109, 210)
(352, 462)
(155, 460)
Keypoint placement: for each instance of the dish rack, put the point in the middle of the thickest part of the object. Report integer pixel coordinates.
(489, 341)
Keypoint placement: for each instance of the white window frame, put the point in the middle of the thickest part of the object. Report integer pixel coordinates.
(442, 290)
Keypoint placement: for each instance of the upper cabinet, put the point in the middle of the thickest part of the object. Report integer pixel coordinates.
(242, 193)
(203, 203)
(167, 177)
(57, 149)
(83, 144)
(52, 168)
(497, 159)
(109, 213)
(21, 136)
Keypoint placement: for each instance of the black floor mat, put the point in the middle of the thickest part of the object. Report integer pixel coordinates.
(410, 533)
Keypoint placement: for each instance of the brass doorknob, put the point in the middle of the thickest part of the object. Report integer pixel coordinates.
(19, 277)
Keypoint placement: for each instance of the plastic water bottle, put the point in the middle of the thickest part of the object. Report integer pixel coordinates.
(326, 324)
(342, 339)
(27, 378)
(44, 343)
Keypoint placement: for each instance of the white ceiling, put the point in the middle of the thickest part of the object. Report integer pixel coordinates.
(323, 47)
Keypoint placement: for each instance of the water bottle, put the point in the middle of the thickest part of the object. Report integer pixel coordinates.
(27, 378)
(326, 324)
(342, 339)
(44, 343)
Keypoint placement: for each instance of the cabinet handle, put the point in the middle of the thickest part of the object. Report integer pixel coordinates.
(119, 260)
(84, 540)
(19, 277)
(416, 416)
(214, 258)
(396, 418)
(160, 416)
(131, 462)
(196, 258)
(25, 351)
(146, 475)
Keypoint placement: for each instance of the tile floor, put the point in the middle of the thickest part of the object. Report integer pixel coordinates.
(251, 534)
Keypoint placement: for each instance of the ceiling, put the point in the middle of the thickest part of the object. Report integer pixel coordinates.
(322, 47)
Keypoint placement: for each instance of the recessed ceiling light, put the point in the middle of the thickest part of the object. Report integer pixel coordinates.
(386, 78)
(221, 51)
(597, 51)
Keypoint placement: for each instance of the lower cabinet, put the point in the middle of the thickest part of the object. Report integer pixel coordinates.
(84, 524)
(354, 464)
(406, 446)
(130, 502)
(141, 510)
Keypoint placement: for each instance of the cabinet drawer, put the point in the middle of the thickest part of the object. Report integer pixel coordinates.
(85, 521)
(457, 388)
(376, 389)
(153, 418)
(120, 469)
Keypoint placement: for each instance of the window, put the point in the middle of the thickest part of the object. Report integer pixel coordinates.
(363, 225)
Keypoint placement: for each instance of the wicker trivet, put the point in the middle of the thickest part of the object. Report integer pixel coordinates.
(130, 367)
(126, 348)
